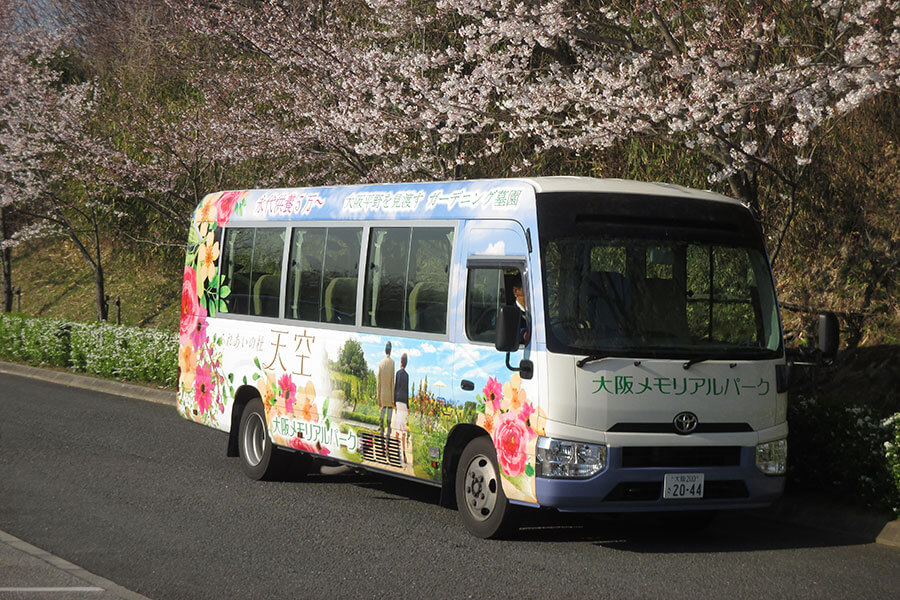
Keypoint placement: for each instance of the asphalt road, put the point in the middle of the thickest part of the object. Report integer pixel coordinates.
(130, 491)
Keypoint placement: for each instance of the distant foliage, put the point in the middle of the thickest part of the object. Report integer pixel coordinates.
(840, 451)
(111, 351)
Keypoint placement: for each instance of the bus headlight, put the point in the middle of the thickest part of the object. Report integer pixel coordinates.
(562, 459)
(771, 457)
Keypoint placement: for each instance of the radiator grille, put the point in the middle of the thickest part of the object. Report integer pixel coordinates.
(681, 456)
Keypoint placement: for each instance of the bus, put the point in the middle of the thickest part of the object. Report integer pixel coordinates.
(580, 344)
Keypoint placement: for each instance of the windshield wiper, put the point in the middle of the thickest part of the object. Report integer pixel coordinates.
(694, 361)
(590, 358)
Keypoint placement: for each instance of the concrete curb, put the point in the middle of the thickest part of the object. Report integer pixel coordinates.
(117, 388)
(46, 563)
(890, 535)
(798, 510)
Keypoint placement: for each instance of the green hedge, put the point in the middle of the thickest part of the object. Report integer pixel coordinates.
(843, 452)
(101, 349)
(892, 452)
(36, 341)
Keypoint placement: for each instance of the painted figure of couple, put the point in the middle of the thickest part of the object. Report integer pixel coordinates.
(393, 398)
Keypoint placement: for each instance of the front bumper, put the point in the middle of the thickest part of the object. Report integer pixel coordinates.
(639, 489)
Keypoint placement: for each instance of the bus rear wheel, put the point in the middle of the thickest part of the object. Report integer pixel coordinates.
(483, 506)
(259, 458)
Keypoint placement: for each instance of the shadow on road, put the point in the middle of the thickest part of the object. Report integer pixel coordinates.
(393, 487)
(738, 531)
(728, 531)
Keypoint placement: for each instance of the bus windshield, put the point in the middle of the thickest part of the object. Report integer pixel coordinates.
(651, 295)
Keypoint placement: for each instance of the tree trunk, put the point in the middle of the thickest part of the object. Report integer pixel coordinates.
(745, 188)
(6, 288)
(100, 286)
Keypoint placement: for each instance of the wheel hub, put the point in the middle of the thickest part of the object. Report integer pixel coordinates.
(481, 488)
(254, 441)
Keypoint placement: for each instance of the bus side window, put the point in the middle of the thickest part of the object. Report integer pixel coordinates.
(236, 269)
(431, 249)
(486, 290)
(324, 269)
(265, 274)
(484, 293)
(252, 269)
(304, 285)
(340, 274)
(407, 279)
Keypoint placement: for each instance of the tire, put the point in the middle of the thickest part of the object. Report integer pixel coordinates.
(482, 505)
(260, 459)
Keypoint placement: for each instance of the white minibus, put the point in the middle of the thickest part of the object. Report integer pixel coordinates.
(579, 344)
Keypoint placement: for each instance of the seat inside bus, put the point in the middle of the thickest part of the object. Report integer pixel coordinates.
(265, 295)
(662, 311)
(239, 299)
(427, 307)
(340, 300)
(606, 299)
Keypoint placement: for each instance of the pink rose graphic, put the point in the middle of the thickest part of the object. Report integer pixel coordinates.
(510, 434)
(190, 305)
(226, 206)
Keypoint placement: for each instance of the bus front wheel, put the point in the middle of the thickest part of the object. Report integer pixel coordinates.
(483, 506)
(259, 458)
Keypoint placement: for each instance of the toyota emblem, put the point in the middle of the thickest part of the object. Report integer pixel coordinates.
(685, 422)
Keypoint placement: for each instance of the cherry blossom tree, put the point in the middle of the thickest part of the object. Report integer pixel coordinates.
(24, 101)
(188, 119)
(56, 174)
(397, 89)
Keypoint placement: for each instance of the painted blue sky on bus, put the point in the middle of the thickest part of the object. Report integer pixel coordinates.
(452, 200)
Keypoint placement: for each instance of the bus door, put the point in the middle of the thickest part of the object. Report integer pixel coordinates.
(493, 272)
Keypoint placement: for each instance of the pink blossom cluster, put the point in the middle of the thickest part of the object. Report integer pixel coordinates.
(57, 172)
(396, 90)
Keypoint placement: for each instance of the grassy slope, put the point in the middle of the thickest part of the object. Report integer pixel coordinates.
(57, 282)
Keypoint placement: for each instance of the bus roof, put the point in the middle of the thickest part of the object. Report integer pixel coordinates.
(439, 199)
(620, 186)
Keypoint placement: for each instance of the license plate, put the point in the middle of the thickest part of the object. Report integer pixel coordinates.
(683, 485)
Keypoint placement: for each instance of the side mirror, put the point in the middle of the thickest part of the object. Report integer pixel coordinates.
(829, 335)
(507, 334)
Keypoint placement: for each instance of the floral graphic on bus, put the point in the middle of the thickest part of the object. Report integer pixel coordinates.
(203, 386)
(298, 443)
(227, 202)
(287, 392)
(293, 417)
(510, 438)
(514, 425)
